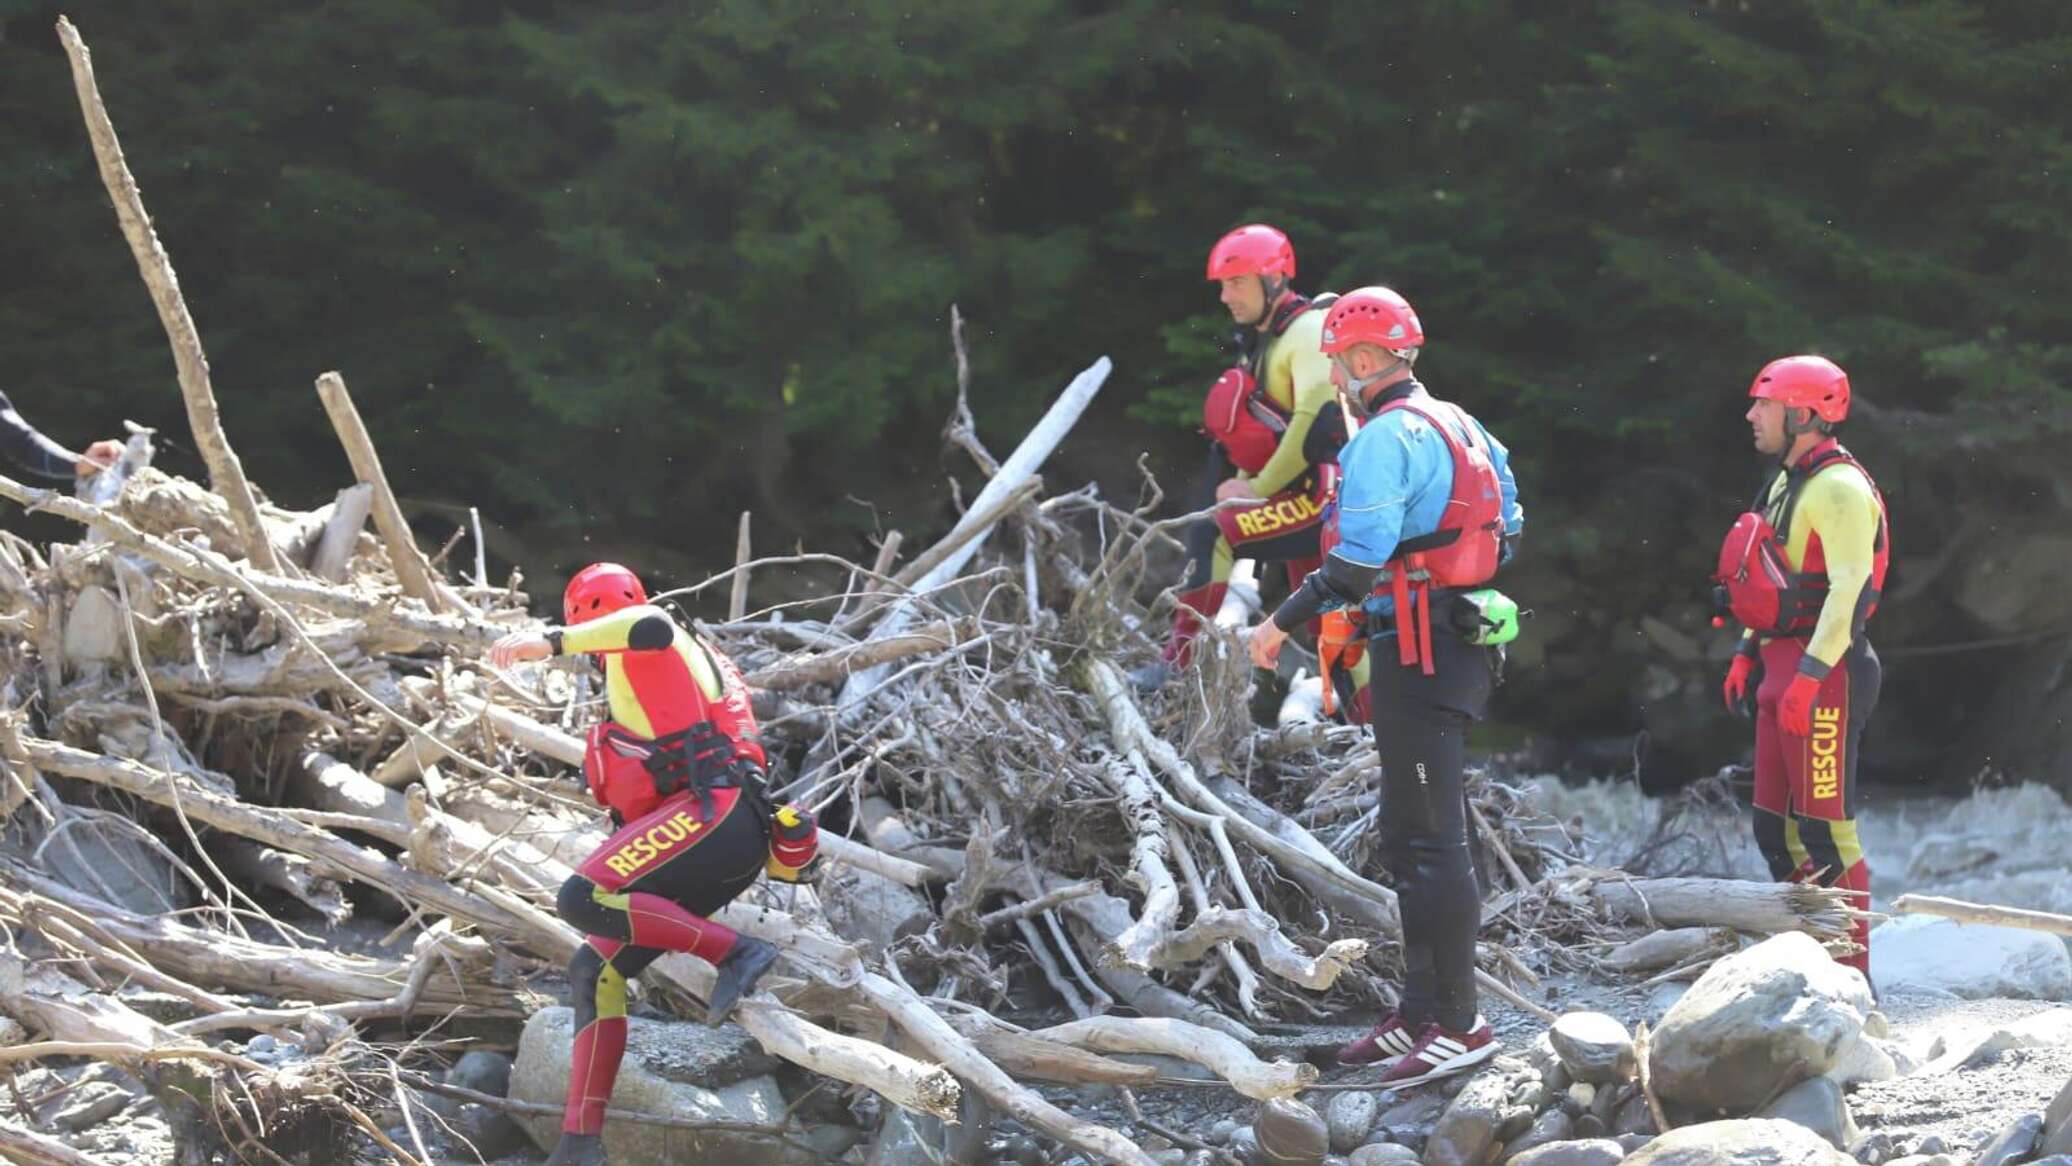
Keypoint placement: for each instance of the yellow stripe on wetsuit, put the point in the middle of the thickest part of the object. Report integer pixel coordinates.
(1297, 379)
(610, 634)
(1839, 504)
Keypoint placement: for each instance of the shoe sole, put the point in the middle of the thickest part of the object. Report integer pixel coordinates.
(1465, 1061)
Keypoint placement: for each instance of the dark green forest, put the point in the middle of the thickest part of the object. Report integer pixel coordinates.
(616, 272)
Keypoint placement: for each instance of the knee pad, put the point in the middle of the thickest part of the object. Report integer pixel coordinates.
(583, 970)
(1832, 846)
(1397, 856)
(1769, 839)
(578, 906)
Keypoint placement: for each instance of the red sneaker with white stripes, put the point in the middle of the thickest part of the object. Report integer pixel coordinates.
(1441, 1052)
(1387, 1041)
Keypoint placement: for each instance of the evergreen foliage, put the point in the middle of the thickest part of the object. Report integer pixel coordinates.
(621, 270)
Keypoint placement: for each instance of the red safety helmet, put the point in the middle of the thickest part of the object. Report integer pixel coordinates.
(1805, 382)
(598, 590)
(1253, 249)
(1372, 315)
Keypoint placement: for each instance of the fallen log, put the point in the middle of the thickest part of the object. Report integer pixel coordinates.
(1662, 949)
(233, 963)
(290, 874)
(1765, 908)
(341, 534)
(1227, 1058)
(230, 814)
(1024, 1054)
(322, 782)
(33, 1149)
(841, 663)
(1262, 932)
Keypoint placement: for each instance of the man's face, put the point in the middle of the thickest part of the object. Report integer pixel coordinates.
(1766, 418)
(1245, 297)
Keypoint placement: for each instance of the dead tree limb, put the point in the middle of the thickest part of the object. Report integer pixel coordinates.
(737, 601)
(211, 569)
(226, 472)
(1131, 779)
(1017, 469)
(957, 1054)
(1964, 912)
(1130, 729)
(411, 569)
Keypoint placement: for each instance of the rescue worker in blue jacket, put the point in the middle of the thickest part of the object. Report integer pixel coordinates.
(1404, 554)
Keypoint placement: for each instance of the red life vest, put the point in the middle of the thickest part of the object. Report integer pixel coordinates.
(618, 764)
(1237, 414)
(1468, 545)
(1756, 584)
(1240, 418)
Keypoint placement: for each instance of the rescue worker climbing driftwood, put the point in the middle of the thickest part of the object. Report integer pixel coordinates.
(1428, 512)
(681, 769)
(1801, 572)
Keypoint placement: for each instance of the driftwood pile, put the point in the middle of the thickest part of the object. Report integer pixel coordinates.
(211, 766)
(234, 733)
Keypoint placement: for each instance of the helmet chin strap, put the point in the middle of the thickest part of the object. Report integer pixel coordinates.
(1793, 430)
(1271, 288)
(1356, 387)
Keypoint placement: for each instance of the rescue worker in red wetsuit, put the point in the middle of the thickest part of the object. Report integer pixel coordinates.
(1274, 430)
(681, 769)
(1802, 572)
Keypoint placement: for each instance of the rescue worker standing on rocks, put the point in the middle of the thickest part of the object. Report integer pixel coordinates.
(1801, 573)
(681, 769)
(1427, 512)
(1274, 432)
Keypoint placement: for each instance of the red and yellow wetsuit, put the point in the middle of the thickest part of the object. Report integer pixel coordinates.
(1294, 483)
(677, 858)
(1805, 822)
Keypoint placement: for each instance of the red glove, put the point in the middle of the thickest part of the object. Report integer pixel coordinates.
(1795, 708)
(1737, 680)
